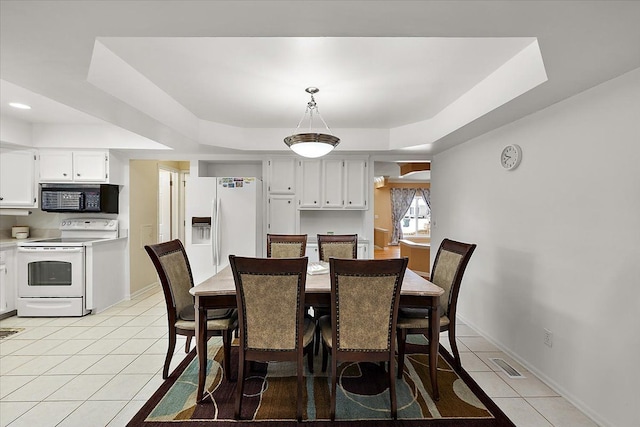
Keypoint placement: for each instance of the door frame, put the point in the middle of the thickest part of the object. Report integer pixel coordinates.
(174, 202)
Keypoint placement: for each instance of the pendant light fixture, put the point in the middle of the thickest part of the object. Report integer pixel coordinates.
(311, 144)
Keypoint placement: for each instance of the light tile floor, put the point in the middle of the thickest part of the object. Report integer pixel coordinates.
(100, 369)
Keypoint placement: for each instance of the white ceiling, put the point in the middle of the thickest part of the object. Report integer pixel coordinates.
(365, 82)
(229, 77)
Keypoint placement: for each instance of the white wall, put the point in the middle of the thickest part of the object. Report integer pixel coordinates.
(558, 243)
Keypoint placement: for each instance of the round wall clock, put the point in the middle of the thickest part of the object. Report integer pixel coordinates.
(511, 156)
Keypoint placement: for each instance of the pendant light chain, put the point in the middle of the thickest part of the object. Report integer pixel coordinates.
(311, 105)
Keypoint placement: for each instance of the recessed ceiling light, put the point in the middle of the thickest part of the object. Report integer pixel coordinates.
(20, 105)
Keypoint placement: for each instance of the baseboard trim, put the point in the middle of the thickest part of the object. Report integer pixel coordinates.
(8, 314)
(570, 397)
(148, 288)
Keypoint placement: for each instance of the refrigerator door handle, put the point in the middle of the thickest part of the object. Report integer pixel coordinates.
(218, 223)
(214, 215)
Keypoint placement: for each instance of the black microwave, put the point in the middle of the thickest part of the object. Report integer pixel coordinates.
(98, 198)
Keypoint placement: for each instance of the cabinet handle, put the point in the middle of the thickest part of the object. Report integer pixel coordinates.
(289, 201)
(327, 202)
(77, 174)
(314, 202)
(349, 201)
(1, 198)
(288, 188)
(64, 174)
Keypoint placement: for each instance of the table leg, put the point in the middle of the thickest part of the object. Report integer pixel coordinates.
(201, 347)
(434, 341)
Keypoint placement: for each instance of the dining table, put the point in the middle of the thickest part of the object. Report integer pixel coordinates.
(219, 291)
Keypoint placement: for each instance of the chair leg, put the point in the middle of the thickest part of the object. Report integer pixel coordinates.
(334, 375)
(226, 344)
(325, 357)
(454, 347)
(170, 350)
(402, 340)
(299, 396)
(317, 340)
(309, 350)
(239, 389)
(187, 344)
(392, 389)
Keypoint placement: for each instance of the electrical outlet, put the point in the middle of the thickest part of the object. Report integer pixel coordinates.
(548, 338)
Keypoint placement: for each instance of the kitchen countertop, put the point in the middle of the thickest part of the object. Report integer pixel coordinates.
(10, 242)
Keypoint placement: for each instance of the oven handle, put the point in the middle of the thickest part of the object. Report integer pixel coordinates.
(48, 249)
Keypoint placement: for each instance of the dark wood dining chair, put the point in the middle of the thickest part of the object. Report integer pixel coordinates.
(174, 271)
(286, 245)
(343, 246)
(337, 246)
(270, 294)
(448, 268)
(365, 295)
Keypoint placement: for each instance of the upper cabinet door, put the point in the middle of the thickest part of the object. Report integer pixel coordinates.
(90, 166)
(74, 166)
(333, 184)
(332, 172)
(56, 166)
(17, 179)
(309, 172)
(282, 176)
(356, 188)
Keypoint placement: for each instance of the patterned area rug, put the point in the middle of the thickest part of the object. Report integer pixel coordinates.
(362, 399)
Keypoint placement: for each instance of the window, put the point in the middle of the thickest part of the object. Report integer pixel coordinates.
(417, 220)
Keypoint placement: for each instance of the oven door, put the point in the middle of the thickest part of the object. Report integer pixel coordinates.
(50, 271)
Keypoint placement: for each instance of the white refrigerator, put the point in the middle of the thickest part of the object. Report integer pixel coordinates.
(223, 217)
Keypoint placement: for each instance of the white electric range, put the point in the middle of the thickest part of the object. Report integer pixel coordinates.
(57, 277)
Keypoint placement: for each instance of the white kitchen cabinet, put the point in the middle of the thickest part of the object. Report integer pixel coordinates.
(282, 214)
(56, 166)
(76, 166)
(363, 252)
(18, 188)
(90, 166)
(310, 184)
(355, 184)
(8, 279)
(332, 183)
(282, 176)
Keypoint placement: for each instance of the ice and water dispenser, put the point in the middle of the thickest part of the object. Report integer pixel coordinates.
(201, 229)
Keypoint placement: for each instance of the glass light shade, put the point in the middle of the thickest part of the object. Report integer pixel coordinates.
(311, 145)
(20, 105)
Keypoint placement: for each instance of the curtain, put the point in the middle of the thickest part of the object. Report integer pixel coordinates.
(401, 199)
(426, 196)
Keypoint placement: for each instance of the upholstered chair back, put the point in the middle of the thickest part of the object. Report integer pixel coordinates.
(366, 294)
(172, 265)
(270, 295)
(175, 275)
(286, 245)
(344, 246)
(448, 269)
